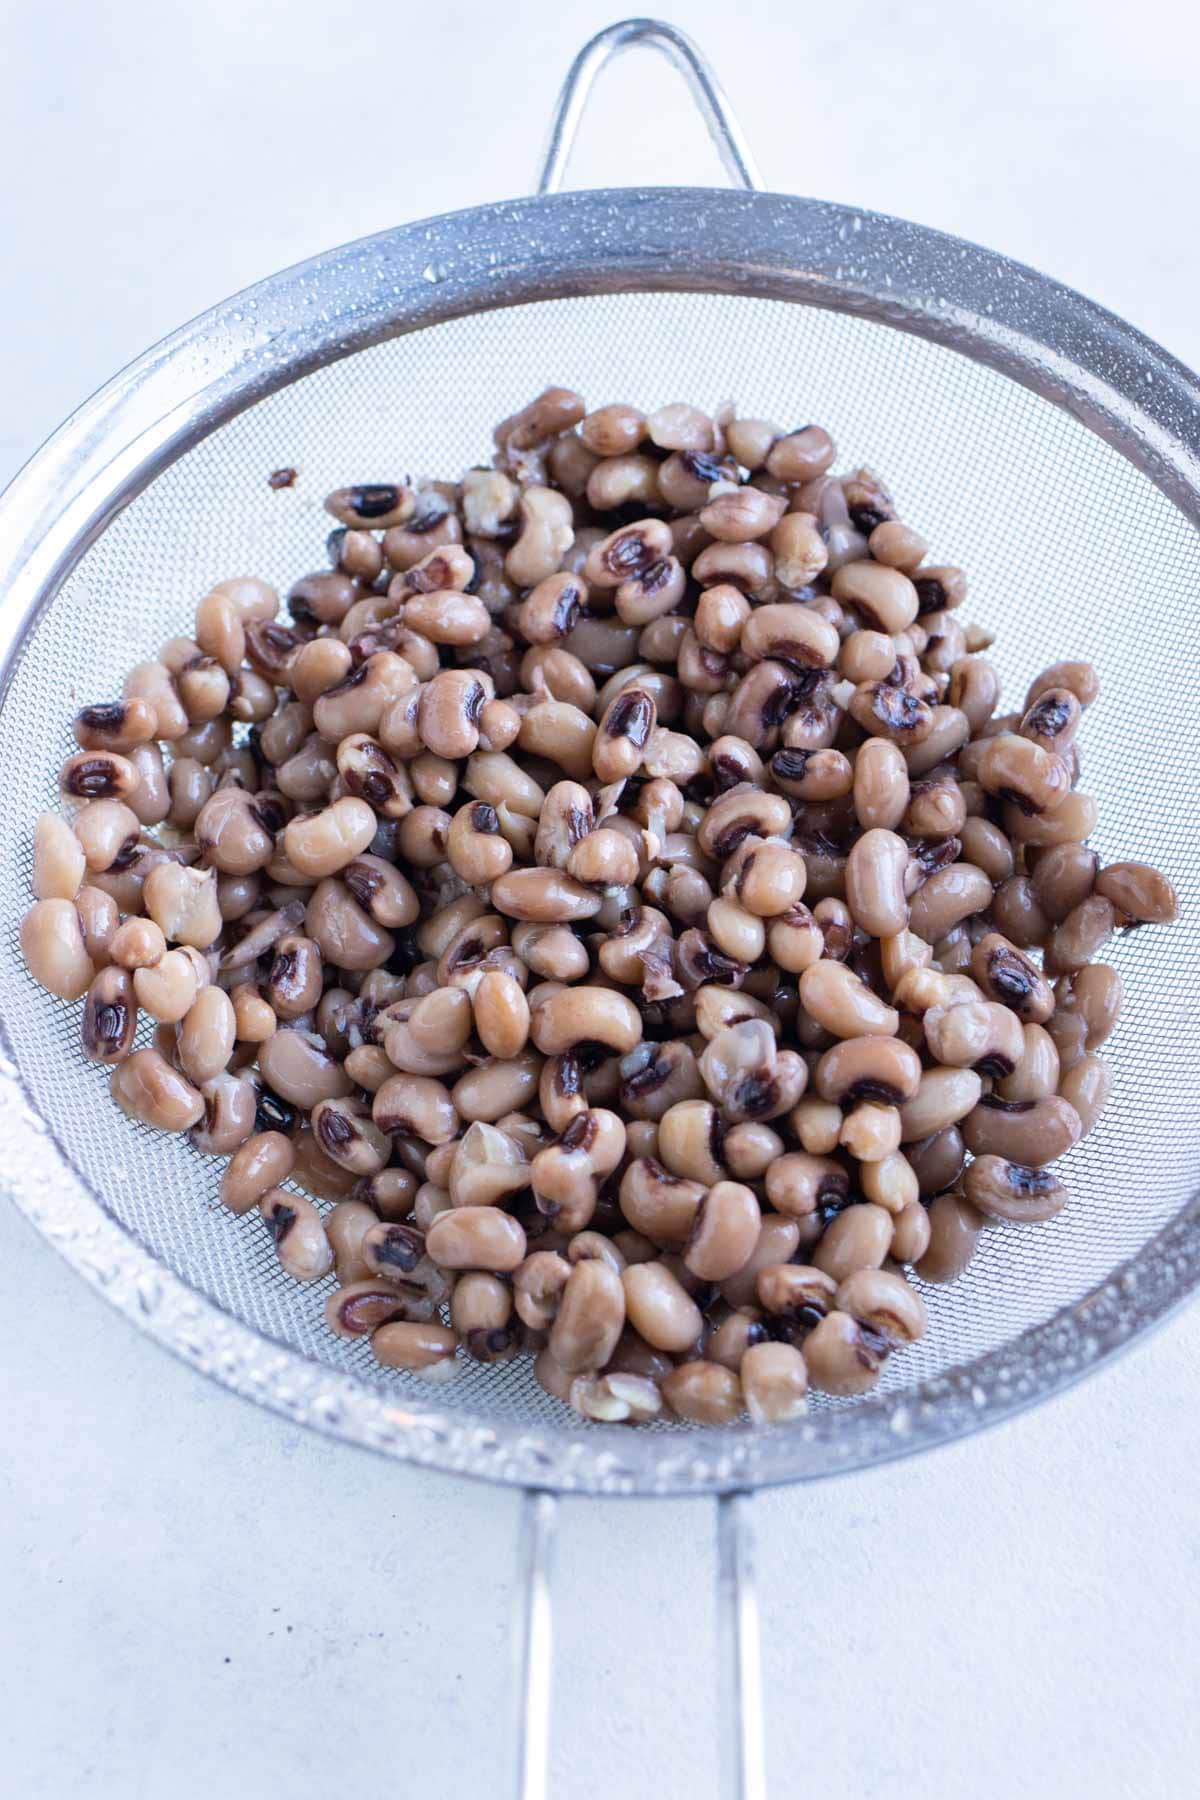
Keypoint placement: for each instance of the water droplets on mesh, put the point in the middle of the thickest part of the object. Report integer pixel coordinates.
(1068, 551)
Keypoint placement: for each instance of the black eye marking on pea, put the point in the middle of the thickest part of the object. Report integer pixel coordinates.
(282, 478)
(280, 1221)
(374, 500)
(108, 717)
(484, 818)
(631, 717)
(931, 595)
(401, 1248)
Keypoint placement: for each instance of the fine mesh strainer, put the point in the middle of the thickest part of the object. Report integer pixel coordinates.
(1037, 440)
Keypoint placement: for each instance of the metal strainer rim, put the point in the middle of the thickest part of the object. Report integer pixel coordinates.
(774, 246)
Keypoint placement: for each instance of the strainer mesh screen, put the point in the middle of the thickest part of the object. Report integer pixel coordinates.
(1069, 552)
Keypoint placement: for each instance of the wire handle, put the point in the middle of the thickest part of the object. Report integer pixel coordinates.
(740, 1660)
(679, 49)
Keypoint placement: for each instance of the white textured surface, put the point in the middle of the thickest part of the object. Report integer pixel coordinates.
(1010, 1617)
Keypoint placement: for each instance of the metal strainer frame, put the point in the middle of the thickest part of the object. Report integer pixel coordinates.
(1043, 336)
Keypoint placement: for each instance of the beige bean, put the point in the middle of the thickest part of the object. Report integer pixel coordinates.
(1035, 1075)
(495, 1088)
(183, 904)
(875, 872)
(949, 896)
(590, 1317)
(585, 1015)
(841, 1358)
(423, 1349)
(147, 1088)
(885, 1304)
(52, 943)
(1007, 976)
(476, 1237)
(104, 828)
(724, 1233)
(881, 785)
(1086, 1086)
(943, 1097)
(298, 1234)
(325, 842)
(167, 989)
(954, 1227)
(206, 1036)
(838, 1000)
(859, 1237)
(1032, 1132)
(58, 860)
(262, 1162)
(659, 1309)
(1007, 1190)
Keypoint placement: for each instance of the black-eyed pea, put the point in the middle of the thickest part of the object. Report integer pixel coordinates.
(104, 828)
(778, 1242)
(183, 904)
(1080, 936)
(616, 1398)
(153, 683)
(704, 1393)
(724, 1233)
(230, 1109)
(147, 1088)
(546, 532)
(980, 1035)
(859, 1237)
(750, 1148)
(590, 1316)
(481, 1313)
(52, 943)
(538, 1284)
(891, 1182)
(422, 1349)
(868, 1068)
(1031, 1132)
(740, 514)
(1006, 975)
(323, 843)
(817, 1123)
(954, 1227)
(1086, 1086)
(884, 710)
(774, 1381)
(392, 1251)
(843, 1358)
(477, 1237)
(843, 1004)
(118, 725)
(801, 456)
(1035, 1074)
(912, 1233)
(495, 1088)
(206, 1036)
(429, 1202)
(1007, 1190)
(884, 1304)
(1138, 893)
(262, 1162)
(799, 549)
(501, 1014)
(943, 1097)
(1070, 822)
(109, 1017)
(361, 1306)
(871, 1131)
(368, 1067)
(59, 864)
(345, 1131)
(166, 989)
(297, 1065)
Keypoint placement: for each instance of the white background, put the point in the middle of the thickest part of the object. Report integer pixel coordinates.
(198, 1598)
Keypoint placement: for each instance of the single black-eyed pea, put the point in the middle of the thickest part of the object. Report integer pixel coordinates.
(422, 1349)
(774, 1381)
(147, 1088)
(871, 1131)
(843, 1358)
(1031, 1132)
(1005, 975)
(859, 1237)
(1008, 1190)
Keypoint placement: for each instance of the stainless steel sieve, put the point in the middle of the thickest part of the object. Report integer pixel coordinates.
(1037, 440)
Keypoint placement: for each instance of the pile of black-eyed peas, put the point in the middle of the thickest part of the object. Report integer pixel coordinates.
(603, 916)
